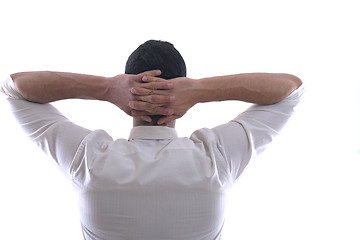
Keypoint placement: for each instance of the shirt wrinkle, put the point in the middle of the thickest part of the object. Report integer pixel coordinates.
(154, 184)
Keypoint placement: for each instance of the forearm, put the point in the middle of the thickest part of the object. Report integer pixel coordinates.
(46, 86)
(259, 88)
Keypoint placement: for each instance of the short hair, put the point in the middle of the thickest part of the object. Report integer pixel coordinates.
(156, 55)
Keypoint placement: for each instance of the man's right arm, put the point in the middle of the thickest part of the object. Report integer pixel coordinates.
(258, 88)
(275, 97)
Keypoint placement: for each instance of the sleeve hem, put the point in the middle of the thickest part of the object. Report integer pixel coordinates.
(9, 89)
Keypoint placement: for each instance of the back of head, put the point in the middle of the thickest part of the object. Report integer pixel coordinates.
(156, 55)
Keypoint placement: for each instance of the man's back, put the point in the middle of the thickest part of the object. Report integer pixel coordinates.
(159, 186)
(154, 186)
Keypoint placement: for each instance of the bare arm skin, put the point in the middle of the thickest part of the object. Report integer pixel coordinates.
(46, 86)
(258, 88)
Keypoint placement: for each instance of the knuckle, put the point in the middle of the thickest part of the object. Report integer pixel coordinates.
(141, 98)
(165, 112)
(132, 104)
(148, 106)
(154, 99)
(134, 113)
(164, 85)
(155, 110)
(137, 106)
(142, 91)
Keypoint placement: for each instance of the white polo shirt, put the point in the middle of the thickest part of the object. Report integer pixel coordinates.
(154, 185)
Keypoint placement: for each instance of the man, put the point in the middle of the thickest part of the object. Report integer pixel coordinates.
(153, 185)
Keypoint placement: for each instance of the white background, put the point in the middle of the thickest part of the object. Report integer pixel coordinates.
(306, 186)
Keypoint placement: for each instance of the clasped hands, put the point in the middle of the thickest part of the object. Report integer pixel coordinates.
(144, 95)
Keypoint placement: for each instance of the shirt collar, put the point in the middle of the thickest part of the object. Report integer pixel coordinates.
(153, 132)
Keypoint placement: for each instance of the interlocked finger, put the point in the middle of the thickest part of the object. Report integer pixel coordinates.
(163, 85)
(142, 106)
(161, 99)
(149, 108)
(157, 111)
(143, 118)
(153, 73)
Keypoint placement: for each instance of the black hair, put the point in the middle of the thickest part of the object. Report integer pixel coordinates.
(156, 55)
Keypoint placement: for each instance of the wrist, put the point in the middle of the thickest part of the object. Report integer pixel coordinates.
(194, 91)
(205, 90)
(104, 88)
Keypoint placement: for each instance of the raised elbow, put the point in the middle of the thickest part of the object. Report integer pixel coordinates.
(296, 81)
(289, 84)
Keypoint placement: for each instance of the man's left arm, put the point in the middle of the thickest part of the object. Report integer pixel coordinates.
(27, 95)
(46, 86)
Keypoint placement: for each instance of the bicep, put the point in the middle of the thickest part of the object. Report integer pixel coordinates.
(236, 145)
(243, 139)
(263, 123)
(50, 130)
(248, 134)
